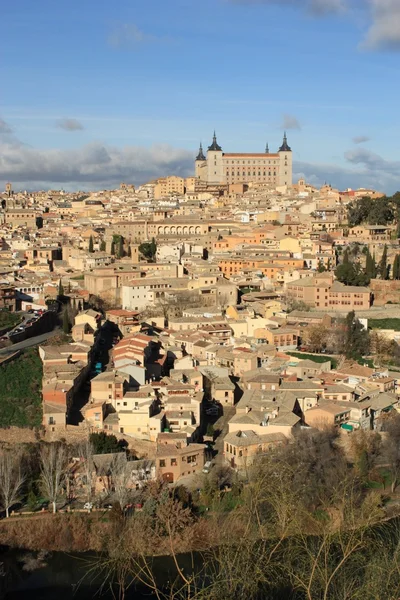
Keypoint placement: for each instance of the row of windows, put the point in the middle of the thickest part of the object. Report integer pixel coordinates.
(255, 162)
(254, 173)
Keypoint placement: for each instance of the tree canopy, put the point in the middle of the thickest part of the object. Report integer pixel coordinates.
(106, 444)
(148, 249)
(378, 211)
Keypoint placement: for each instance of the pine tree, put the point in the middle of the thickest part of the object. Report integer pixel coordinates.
(103, 246)
(383, 267)
(60, 288)
(91, 246)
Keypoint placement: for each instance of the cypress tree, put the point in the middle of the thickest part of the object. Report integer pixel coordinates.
(60, 288)
(113, 248)
(91, 245)
(396, 267)
(346, 257)
(383, 267)
(103, 246)
(120, 247)
(370, 267)
(153, 247)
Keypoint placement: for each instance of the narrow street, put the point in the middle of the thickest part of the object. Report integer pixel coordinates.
(28, 343)
(221, 424)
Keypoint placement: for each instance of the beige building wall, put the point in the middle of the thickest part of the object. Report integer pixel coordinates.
(262, 429)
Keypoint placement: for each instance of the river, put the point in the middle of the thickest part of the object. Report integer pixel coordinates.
(61, 576)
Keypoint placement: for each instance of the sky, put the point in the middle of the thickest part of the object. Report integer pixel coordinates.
(94, 93)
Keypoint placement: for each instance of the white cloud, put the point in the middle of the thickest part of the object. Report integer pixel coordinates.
(360, 139)
(315, 7)
(382, 16)
(69, 124)
(129, 35)
(384, 31)
(290, 122)
(93, 166)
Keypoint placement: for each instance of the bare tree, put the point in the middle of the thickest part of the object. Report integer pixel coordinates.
(12, 479)
(315, 337)
(85, 450)
(121, 478)
(53, 471)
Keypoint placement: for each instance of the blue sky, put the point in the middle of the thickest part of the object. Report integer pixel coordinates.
(94, 93)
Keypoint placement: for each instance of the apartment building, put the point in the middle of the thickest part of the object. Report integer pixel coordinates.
(176, 459)
(322, 292)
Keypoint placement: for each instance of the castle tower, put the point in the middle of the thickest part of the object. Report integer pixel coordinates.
(200, 165)
(285, 163)
(215, 166)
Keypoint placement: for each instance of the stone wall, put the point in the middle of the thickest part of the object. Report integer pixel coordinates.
(385, 291)
(71, 434)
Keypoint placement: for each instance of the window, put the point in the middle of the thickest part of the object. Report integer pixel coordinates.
(173, 462)
(97, 416)
(162, 463)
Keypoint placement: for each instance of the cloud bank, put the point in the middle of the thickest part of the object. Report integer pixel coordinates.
(93, 166)
(100, 166)
(366, 169)
(5, 129)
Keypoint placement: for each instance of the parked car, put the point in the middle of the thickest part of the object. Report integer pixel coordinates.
(88, 506)
(108, 506)
(207, 466)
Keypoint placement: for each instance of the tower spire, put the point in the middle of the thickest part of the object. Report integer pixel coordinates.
(215, 146)
(267, 149)
(285, 147)
(200, 155)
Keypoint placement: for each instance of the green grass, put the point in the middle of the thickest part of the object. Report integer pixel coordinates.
(369, 362)
(390, 323)
(8, 319)
(20, 391)
(318, 358)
